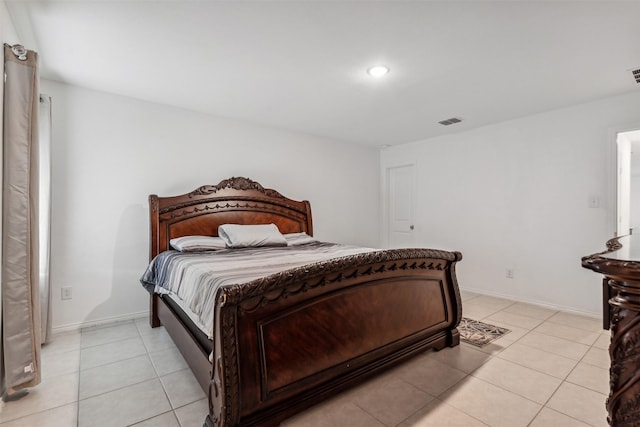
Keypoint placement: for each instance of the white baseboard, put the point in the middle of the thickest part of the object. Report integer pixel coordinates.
(533, 302)
(99, 322)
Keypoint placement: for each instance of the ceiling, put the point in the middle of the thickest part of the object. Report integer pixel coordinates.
(301, 65)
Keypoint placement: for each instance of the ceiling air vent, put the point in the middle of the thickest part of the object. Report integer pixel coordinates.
(451, 121)
(636, 75)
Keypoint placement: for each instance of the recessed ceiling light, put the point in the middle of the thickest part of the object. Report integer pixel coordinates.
(378, 71)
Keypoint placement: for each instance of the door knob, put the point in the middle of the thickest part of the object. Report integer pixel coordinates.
(411, 227)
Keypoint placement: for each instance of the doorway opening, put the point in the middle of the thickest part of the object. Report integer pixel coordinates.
(628, 182)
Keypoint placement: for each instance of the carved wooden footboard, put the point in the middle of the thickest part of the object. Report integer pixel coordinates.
(290, 340)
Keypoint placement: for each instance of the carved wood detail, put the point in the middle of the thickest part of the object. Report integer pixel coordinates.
(612, 267)
(613, 244)
(248, 199)
(264, 207)
(623, 403)
(153, 203)
(455, 339)
(262, 291)
(231, 375)
(235, 183)
(622, 288)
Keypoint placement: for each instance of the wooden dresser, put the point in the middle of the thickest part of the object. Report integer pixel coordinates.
(620, 265)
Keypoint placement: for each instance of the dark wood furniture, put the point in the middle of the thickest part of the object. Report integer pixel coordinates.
(290, 340)
(620, 264)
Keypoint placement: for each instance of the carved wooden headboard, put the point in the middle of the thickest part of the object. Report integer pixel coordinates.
(232, 201)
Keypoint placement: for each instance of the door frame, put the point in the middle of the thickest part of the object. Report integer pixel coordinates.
(626, 185)
(613, 167)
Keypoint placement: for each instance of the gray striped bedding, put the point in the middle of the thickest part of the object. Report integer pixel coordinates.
(192, 278)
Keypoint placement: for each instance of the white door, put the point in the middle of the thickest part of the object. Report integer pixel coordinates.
(400, 206)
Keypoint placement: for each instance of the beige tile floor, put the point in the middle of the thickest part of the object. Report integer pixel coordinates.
(550, 370)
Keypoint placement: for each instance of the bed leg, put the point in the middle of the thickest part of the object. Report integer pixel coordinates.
(154, 321)
(453, 338)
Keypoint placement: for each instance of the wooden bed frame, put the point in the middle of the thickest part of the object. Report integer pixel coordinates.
(290, 340)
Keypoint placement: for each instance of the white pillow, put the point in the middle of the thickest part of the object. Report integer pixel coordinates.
(243, 236)
(197, 243)
(295, 239)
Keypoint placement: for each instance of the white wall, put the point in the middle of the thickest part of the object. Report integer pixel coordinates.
(7, 29)
(515, 195)
(110, 152)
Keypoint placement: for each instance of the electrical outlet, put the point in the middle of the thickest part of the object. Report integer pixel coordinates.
(66, 293)
(509, 273)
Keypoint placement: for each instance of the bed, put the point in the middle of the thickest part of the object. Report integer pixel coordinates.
(284, 342)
